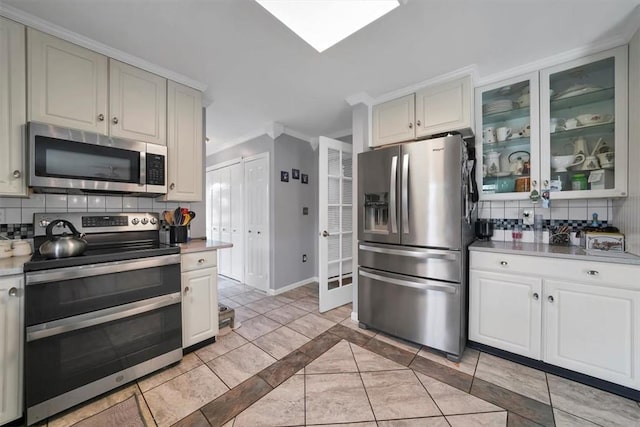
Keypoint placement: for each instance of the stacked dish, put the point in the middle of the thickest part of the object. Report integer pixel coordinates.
(498, 106)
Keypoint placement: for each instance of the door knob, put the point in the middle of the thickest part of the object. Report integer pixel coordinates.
(186, 290)
(172, 186)
(249, 231)
(13, 292)
(115, 120)
(550, 298)
(325, 233)
(101, 117)
(536, 296)
(410, 125)
(258, 232)
(418, 123)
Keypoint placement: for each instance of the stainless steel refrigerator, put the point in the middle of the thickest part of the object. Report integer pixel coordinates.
(414, 227)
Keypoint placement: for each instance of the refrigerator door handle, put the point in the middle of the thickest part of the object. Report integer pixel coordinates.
(405, 194)
(431, 286)
(392, 194)
(414, 254)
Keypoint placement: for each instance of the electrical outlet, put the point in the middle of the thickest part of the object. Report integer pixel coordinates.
(527, 217)
(304, 257)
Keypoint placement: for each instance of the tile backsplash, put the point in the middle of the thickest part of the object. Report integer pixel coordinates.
(20, 211)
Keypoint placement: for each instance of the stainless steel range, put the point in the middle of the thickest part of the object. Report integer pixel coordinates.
(101, 319)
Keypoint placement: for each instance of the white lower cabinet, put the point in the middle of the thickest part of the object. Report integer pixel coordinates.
(199, 297)
(504, 312)
(11, 347)
(579, 315)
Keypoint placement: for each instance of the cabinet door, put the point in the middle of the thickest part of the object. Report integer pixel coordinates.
(11, 347)
(67, 84)
(505, 312)
(508, 137)
(256, 180)
(137, 104)
(12, 108)
(584, 134)
(594, 330)
(199, 306)
(444, 107)
(393, 121)
(237, 222)
(184, 143)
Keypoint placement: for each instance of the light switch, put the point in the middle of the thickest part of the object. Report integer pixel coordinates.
(305, 211)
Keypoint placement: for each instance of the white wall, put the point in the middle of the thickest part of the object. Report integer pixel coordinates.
(627, 211)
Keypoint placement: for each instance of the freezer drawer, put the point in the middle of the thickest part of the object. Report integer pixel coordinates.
(422, 262)
(419, 310)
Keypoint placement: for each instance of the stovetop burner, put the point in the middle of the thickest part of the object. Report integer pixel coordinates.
(130, 239)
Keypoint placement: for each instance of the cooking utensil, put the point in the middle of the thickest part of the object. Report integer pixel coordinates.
(168, 217)
(177, 216)
(64, 245)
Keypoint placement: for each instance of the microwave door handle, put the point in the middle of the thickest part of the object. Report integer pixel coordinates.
(405, 194)
(392, 195)
(143, 168)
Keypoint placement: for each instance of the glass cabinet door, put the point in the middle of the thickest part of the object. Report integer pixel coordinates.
(584, 126)
(507, 140)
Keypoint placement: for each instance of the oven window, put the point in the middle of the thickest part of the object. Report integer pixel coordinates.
(64, 298)
(61, 363)
(57, 158)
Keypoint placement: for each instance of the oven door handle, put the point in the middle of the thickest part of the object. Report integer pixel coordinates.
(91, 270)
(98, 317)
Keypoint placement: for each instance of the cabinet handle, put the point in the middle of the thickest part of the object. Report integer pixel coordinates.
(201, 261)
(536, 296)
(234, 230)
(115, 120)
(224, 229)
(172, 186)
(258, 232)
(418, 123)
(550, 298)
(13, 292)
(593, 273)
(101, 117)
(186, 290)
(17, 174)
(534, 183)
(410, 125)
(249, 231)
(504, 263)
(546, 183)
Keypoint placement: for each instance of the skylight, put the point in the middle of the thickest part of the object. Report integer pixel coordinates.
(323, 23)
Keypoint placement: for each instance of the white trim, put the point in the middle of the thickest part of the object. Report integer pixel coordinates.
(55, 30)
(221, 146)
(274, 130)
(299, 135)
(443, 78)
(354, 316)
(340, 133)
(553, 60)
(295, 285)
(224, 164)
(359, 98)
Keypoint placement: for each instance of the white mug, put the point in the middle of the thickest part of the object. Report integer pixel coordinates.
(571, 124)
(489, 135)
(503, 133)
(556, 125)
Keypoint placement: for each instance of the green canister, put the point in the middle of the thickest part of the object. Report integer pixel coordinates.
(579, 182)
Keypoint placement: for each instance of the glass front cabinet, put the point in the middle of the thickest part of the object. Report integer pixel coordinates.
(508, 138)
(559, 129)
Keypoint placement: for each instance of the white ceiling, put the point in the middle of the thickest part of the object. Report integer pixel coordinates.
(258, 72)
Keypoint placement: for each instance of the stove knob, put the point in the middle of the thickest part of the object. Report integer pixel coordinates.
(153, 221)
(144, 221)
(135, 221)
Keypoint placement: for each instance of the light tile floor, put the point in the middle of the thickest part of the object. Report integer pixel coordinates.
(348, 385)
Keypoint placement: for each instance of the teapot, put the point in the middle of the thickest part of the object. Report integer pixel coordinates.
(518, 162)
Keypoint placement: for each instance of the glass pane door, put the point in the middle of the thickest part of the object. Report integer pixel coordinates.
(508, 137)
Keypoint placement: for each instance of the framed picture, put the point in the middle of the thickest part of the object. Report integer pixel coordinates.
(305, 178)
(295, 173)
(284, 176)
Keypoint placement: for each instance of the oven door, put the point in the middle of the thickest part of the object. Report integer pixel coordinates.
(77, 358)
(74, 160)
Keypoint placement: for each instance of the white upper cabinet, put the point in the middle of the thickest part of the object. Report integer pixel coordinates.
(12, 108)
(444, 107)
(393, 121)
(435, 109)
(138, 103)
(67, 84)
(583, 122)
(184, 143)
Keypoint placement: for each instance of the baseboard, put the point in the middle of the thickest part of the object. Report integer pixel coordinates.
(292, 286)
(354, 316)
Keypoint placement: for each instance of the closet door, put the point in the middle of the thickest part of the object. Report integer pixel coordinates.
(224, 255)
(215, 205)
(256, 180)
(237, 222)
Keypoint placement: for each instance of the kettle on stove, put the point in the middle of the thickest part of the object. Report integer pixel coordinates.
(64, 245)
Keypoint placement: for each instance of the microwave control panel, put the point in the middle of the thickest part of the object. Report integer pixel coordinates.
(155, 169)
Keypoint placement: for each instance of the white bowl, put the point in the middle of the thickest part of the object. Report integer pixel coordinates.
(560, 163)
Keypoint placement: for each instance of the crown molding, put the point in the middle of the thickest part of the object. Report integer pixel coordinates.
(340, 133)
(359, 98)
(274, 130)
(214, 146)
(550, 61)
(40, 24)
(299, 135)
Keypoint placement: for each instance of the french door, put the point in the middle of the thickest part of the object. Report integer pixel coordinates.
(256, 181)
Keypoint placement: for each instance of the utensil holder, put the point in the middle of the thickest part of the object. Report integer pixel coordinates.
(178, 234)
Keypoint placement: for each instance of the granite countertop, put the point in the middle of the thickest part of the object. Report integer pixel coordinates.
(200, 245)
(551, 251)
(13, 265)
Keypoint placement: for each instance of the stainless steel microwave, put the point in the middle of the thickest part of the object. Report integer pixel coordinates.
(63, 160)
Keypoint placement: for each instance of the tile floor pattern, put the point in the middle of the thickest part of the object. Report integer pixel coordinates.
(289, 365)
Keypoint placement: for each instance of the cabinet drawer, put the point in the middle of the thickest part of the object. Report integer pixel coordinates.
(197, 260)
(588, 272)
